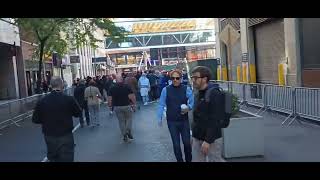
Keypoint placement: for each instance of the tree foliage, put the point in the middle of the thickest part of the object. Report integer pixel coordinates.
(60, 34)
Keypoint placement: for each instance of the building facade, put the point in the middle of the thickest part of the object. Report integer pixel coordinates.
(12, 75)
(269, 50)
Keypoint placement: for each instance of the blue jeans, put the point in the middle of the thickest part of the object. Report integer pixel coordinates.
(145, 99)
(176, 129)
(94, 113)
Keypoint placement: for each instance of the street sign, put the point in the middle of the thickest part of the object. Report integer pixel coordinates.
(99, 60)
(244, 57)
(74, 59)
(218, 61)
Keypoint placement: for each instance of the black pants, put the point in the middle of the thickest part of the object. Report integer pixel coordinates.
(86, 111)
(60, 149)
(153, 93)
(177, 129)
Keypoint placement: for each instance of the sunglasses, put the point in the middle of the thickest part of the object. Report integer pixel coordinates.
(175, 78)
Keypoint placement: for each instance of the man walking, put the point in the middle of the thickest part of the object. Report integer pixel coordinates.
(153, 85)
(79, 95)
(92, 95)
(132, 82)
(179, 100)
(122, 99)
(54, 112)
(206, 131)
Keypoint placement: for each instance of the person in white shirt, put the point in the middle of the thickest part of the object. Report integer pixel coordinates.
(144, 86)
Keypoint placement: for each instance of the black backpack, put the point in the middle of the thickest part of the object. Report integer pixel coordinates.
(224, 121)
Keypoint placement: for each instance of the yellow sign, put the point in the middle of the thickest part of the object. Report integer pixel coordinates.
(170, 26)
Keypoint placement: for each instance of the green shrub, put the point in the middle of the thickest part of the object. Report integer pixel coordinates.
(235, 104)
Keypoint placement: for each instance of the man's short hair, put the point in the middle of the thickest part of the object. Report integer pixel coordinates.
(56, 82)
(92, 83)
(176, 71)
(204, 71)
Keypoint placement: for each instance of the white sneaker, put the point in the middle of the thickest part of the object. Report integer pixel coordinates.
(145, 104)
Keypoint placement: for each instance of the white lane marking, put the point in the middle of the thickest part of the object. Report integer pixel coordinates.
(74, 129)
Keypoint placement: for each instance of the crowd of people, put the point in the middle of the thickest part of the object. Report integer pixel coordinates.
(201, 140)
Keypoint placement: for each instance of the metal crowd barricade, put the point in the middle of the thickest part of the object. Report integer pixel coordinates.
(295, 101)
(307, 103)
(255, 95)
(279, 98)
(237, 89)
(14, 111)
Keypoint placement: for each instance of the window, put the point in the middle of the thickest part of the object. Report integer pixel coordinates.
(121, 59)
(131, 59)
(155, 40)
(164, 53)
(169, 39)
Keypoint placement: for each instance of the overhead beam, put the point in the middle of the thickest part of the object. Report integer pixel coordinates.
(160, 46)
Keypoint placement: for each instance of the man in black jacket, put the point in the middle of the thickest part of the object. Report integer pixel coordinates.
(206, 131)
(79, 96)
(153, 85)
(54, 112)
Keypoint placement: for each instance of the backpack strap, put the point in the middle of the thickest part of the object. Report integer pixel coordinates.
(207, 95)
(209, 91)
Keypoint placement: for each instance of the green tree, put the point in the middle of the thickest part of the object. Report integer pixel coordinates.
(60, 34)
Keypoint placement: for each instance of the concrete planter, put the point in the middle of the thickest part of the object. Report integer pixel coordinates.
(244, 136)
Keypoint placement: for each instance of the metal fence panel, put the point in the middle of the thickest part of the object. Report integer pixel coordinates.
(307, 102)
(16, 110)
(237, 89)
(279, 98)
(296, 101)
(255, 94)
